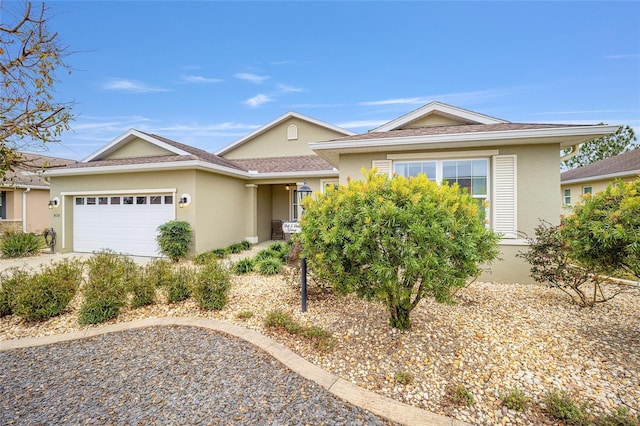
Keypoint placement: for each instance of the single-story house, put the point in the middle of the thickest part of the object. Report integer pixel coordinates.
(595, 177)
(24, 195)
(116, 197)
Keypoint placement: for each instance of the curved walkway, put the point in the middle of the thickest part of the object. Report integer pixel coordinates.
(227, 397)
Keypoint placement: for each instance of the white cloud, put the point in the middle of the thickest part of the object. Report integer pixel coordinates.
(258, 100)
(453, 98)
(253, 78)
(398, 101)
(199, 79)
(132, 86)
(289, 89)
(360, 124)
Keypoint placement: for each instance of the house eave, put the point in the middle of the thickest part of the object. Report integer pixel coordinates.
(129, 168)
(629, 173)
(565, 136)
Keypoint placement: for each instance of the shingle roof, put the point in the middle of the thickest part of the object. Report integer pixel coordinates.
(32, 163)
(450, 130)
(200, 153)
(285, 164)
(627, 162)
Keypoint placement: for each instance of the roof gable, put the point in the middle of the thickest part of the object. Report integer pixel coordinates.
(143, 143)
(437, 114)
(324, 131)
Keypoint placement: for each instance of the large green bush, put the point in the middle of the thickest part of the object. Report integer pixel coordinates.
(211, 286)
(105, 292)
(47, 293)
(174, 239)
(396, 240)
(179, 287)
(142, 286)
(603, 232)
(20, 244)
(9, 282)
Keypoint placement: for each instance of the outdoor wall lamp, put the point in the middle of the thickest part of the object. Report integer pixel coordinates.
(54, 202)
(184, 201)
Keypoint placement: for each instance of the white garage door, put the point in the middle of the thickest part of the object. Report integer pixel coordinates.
(122, 223)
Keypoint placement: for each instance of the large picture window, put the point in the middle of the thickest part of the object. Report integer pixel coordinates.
(471, 174)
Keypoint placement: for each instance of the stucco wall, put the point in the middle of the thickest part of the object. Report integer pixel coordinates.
(37, 209)
(218, 210)
(432, 120)
(274, 142)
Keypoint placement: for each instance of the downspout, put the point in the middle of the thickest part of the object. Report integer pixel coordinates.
(24, 209)
(574, 151)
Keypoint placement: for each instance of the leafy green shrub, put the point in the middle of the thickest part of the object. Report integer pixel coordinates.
(266, 254)
(174, 239)
(236, 248)
(48, 293)
(246, 245)
(321, 339)
(105, 291)
(602, 232)
(515, 399)
(244, 315)
(280, 247)
(143, 288)
(9, 282)
(204, 257)
(461, 395)
(20, 244)
(179, 287)
(404, 377)
(396, 240)
(211, 286)
(221, 253)
(244, 266)
(553, 265)
(159, 271)
(283, 320)
(269, 266)
(561, 405)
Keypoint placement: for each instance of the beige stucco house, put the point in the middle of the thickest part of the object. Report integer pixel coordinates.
(24, 194)
(595, 177)
(118, 196)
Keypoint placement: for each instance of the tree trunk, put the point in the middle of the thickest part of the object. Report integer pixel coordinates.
(399, 317)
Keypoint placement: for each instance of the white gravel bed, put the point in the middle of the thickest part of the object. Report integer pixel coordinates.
(496, 337)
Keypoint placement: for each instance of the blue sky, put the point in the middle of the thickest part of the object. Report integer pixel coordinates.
(206, 73)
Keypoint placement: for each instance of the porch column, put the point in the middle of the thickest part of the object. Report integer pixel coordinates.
(251, 215)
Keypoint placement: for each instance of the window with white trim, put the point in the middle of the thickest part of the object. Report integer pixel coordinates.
(471, 174)
(587, 190)
(567, 197)
(294, 204)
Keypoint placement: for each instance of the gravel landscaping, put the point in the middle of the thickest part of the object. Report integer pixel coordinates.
(498, 336)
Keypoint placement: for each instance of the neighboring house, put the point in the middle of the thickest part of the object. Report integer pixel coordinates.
(118, 196)
(24, 194)
(595, 177)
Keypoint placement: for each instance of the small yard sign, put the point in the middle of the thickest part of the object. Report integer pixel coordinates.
(291, 227)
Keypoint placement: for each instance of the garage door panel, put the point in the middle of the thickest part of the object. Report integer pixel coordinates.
(124, 228)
